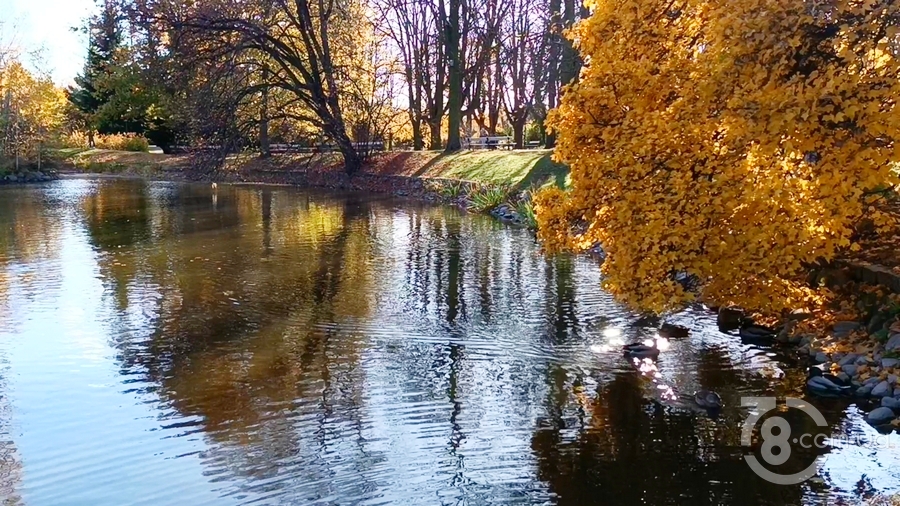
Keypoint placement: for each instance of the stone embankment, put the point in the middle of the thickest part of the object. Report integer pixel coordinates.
(27, 177)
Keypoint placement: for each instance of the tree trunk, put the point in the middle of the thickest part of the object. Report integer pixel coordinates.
(570, 63)
(352, 159)
(519, 132)
(414, 87)
(553, 64)
(435, 128)
(264, 148)
(417, 135)
(494, 106)
(454, 96)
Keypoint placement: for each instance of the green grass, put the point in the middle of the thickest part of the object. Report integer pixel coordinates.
(66, 153)
(546, 172)
(519, 169)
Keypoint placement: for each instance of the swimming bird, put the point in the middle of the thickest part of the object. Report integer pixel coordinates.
(671, 331)
(641, 350)
(826, 384)
(756, 334)
(707, 399)
(215, 186)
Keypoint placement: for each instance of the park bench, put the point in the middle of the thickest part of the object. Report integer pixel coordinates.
(504, 142)
(324, 148)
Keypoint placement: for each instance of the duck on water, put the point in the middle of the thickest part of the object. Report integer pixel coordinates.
(756, 334)
(707, 399)
(641, 350)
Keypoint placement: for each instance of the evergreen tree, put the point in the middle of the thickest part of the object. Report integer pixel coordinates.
(105, 38)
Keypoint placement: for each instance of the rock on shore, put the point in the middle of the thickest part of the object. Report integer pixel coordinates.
(26, 177)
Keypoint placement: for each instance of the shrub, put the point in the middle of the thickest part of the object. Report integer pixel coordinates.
(445, 188)
(122, 142)
(525, 210)
(484, 198)
(452, 189)
(75, 140)
(136, 143)
(114, 142)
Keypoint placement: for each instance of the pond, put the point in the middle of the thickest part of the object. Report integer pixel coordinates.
(167, 343)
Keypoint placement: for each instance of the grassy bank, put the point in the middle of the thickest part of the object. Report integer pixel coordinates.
(515, 169)
(116, 162)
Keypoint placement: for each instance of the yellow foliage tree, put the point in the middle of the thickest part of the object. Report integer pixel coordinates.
(736, 142)
(31, 110)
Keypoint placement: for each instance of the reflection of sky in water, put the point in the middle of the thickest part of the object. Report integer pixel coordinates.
(274, 346)
(59, 427)
(858, 450)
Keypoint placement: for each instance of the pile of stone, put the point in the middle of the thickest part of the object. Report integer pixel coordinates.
(873, 373)
(26, 177)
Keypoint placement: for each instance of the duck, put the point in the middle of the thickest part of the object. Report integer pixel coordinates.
(640, 350)
(669, 330)
(214, 186)
(756, 334)
(826, 384)
(707, 399)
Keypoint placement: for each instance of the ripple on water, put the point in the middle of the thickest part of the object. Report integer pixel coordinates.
(166, 343)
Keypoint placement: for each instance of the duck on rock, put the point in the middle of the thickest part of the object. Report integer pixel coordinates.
(641, 350)
(825, 384)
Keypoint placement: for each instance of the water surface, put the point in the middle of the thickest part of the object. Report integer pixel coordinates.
(165, 343)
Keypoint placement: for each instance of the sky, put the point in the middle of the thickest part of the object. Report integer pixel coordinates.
(45, 26)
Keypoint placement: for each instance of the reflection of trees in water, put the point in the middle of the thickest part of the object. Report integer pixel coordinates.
(561, 306)
(454, 269)
(240, 331)
(455, 303)
(29, 234)
(116, 214)
(617, 447)
(29, 228)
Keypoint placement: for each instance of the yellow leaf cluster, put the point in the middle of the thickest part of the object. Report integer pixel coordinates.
(731, 141)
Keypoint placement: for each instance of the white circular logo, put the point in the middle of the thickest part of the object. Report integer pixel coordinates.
(776, 433)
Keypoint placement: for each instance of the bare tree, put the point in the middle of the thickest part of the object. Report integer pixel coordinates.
(295, 38)
(344, 67)
(523, 49)
(413, 27)
(482, 87)
(452, 37)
